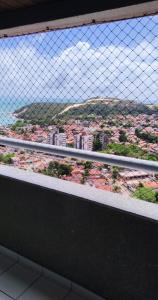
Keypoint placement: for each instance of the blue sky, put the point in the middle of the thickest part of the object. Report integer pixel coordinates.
(118, 59)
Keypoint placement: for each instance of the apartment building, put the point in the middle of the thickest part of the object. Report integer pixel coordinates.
(103, 139)
(56, 138)
(84, 142)
(77, 141)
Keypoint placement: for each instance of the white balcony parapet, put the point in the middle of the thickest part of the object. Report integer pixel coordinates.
(114, 160)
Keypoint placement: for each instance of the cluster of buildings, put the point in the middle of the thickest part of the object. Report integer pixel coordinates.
(81, 134)
(145, 123)
(82, 140)
(78, 136)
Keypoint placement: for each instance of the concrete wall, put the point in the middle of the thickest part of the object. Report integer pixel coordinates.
(107, 249)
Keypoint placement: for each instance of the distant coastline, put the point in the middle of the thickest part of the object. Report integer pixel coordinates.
(92, 108)
(10, 111)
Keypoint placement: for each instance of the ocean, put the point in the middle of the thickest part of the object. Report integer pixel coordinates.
(8, 107)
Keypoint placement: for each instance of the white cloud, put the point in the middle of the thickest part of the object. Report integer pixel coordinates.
(79, 72)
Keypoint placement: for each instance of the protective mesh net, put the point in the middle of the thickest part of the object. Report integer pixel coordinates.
(92, 88)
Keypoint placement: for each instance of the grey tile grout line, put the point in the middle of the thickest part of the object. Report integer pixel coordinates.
(5, 271)
(30, 285)
(9, 268)
(17, 262)
(40, 276)
(4, 293)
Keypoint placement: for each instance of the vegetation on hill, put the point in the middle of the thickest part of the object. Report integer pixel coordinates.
(129, 150)
(122, 137)
(104, 109)
(44, 113)
(18, 125)
(148, 137)
(40, 113)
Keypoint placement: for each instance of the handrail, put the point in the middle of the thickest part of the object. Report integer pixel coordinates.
(110, 159)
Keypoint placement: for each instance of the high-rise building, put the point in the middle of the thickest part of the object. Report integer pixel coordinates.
(56, 138)
(103, 137)
(60, 139)
(84, 142)
(77, 141)
(51, 135)
(87, 142)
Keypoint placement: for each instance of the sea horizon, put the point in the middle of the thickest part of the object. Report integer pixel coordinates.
(9, 106)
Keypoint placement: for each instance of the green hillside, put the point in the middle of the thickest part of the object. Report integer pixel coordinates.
(40, 112)
(46, 112)
(113, 107)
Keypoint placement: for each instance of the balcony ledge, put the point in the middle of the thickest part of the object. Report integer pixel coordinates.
(102, 241)
(114, 200)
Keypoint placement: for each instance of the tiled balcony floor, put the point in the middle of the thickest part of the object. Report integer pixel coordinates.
(24, 280)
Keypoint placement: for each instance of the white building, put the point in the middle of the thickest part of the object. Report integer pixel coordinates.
(87, 142)
(57, 139)
(60, 139)
(84, 142)
(51, 135)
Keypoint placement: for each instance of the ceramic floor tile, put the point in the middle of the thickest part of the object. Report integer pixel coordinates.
(16, 280)
(4, 297)
(5, 263)
(45, 289)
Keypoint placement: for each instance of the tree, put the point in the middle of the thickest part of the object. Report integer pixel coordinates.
(156, 176)
(97, 145)
(116, 189)
(122, 137)
(115, 173)
(83, 179)
(88, 165)
(2, 132)
(6, 158)
(140, 185)
(33, 129)
(146, 194)
(71, 145)
(127, 125)
(18, 124)
(146, 136)
(57, 169)
(86, 173)
(61, 130)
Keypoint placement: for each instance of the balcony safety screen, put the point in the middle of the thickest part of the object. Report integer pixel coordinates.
(92, 88)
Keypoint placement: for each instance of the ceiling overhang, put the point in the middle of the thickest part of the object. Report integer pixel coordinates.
(61, 14)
